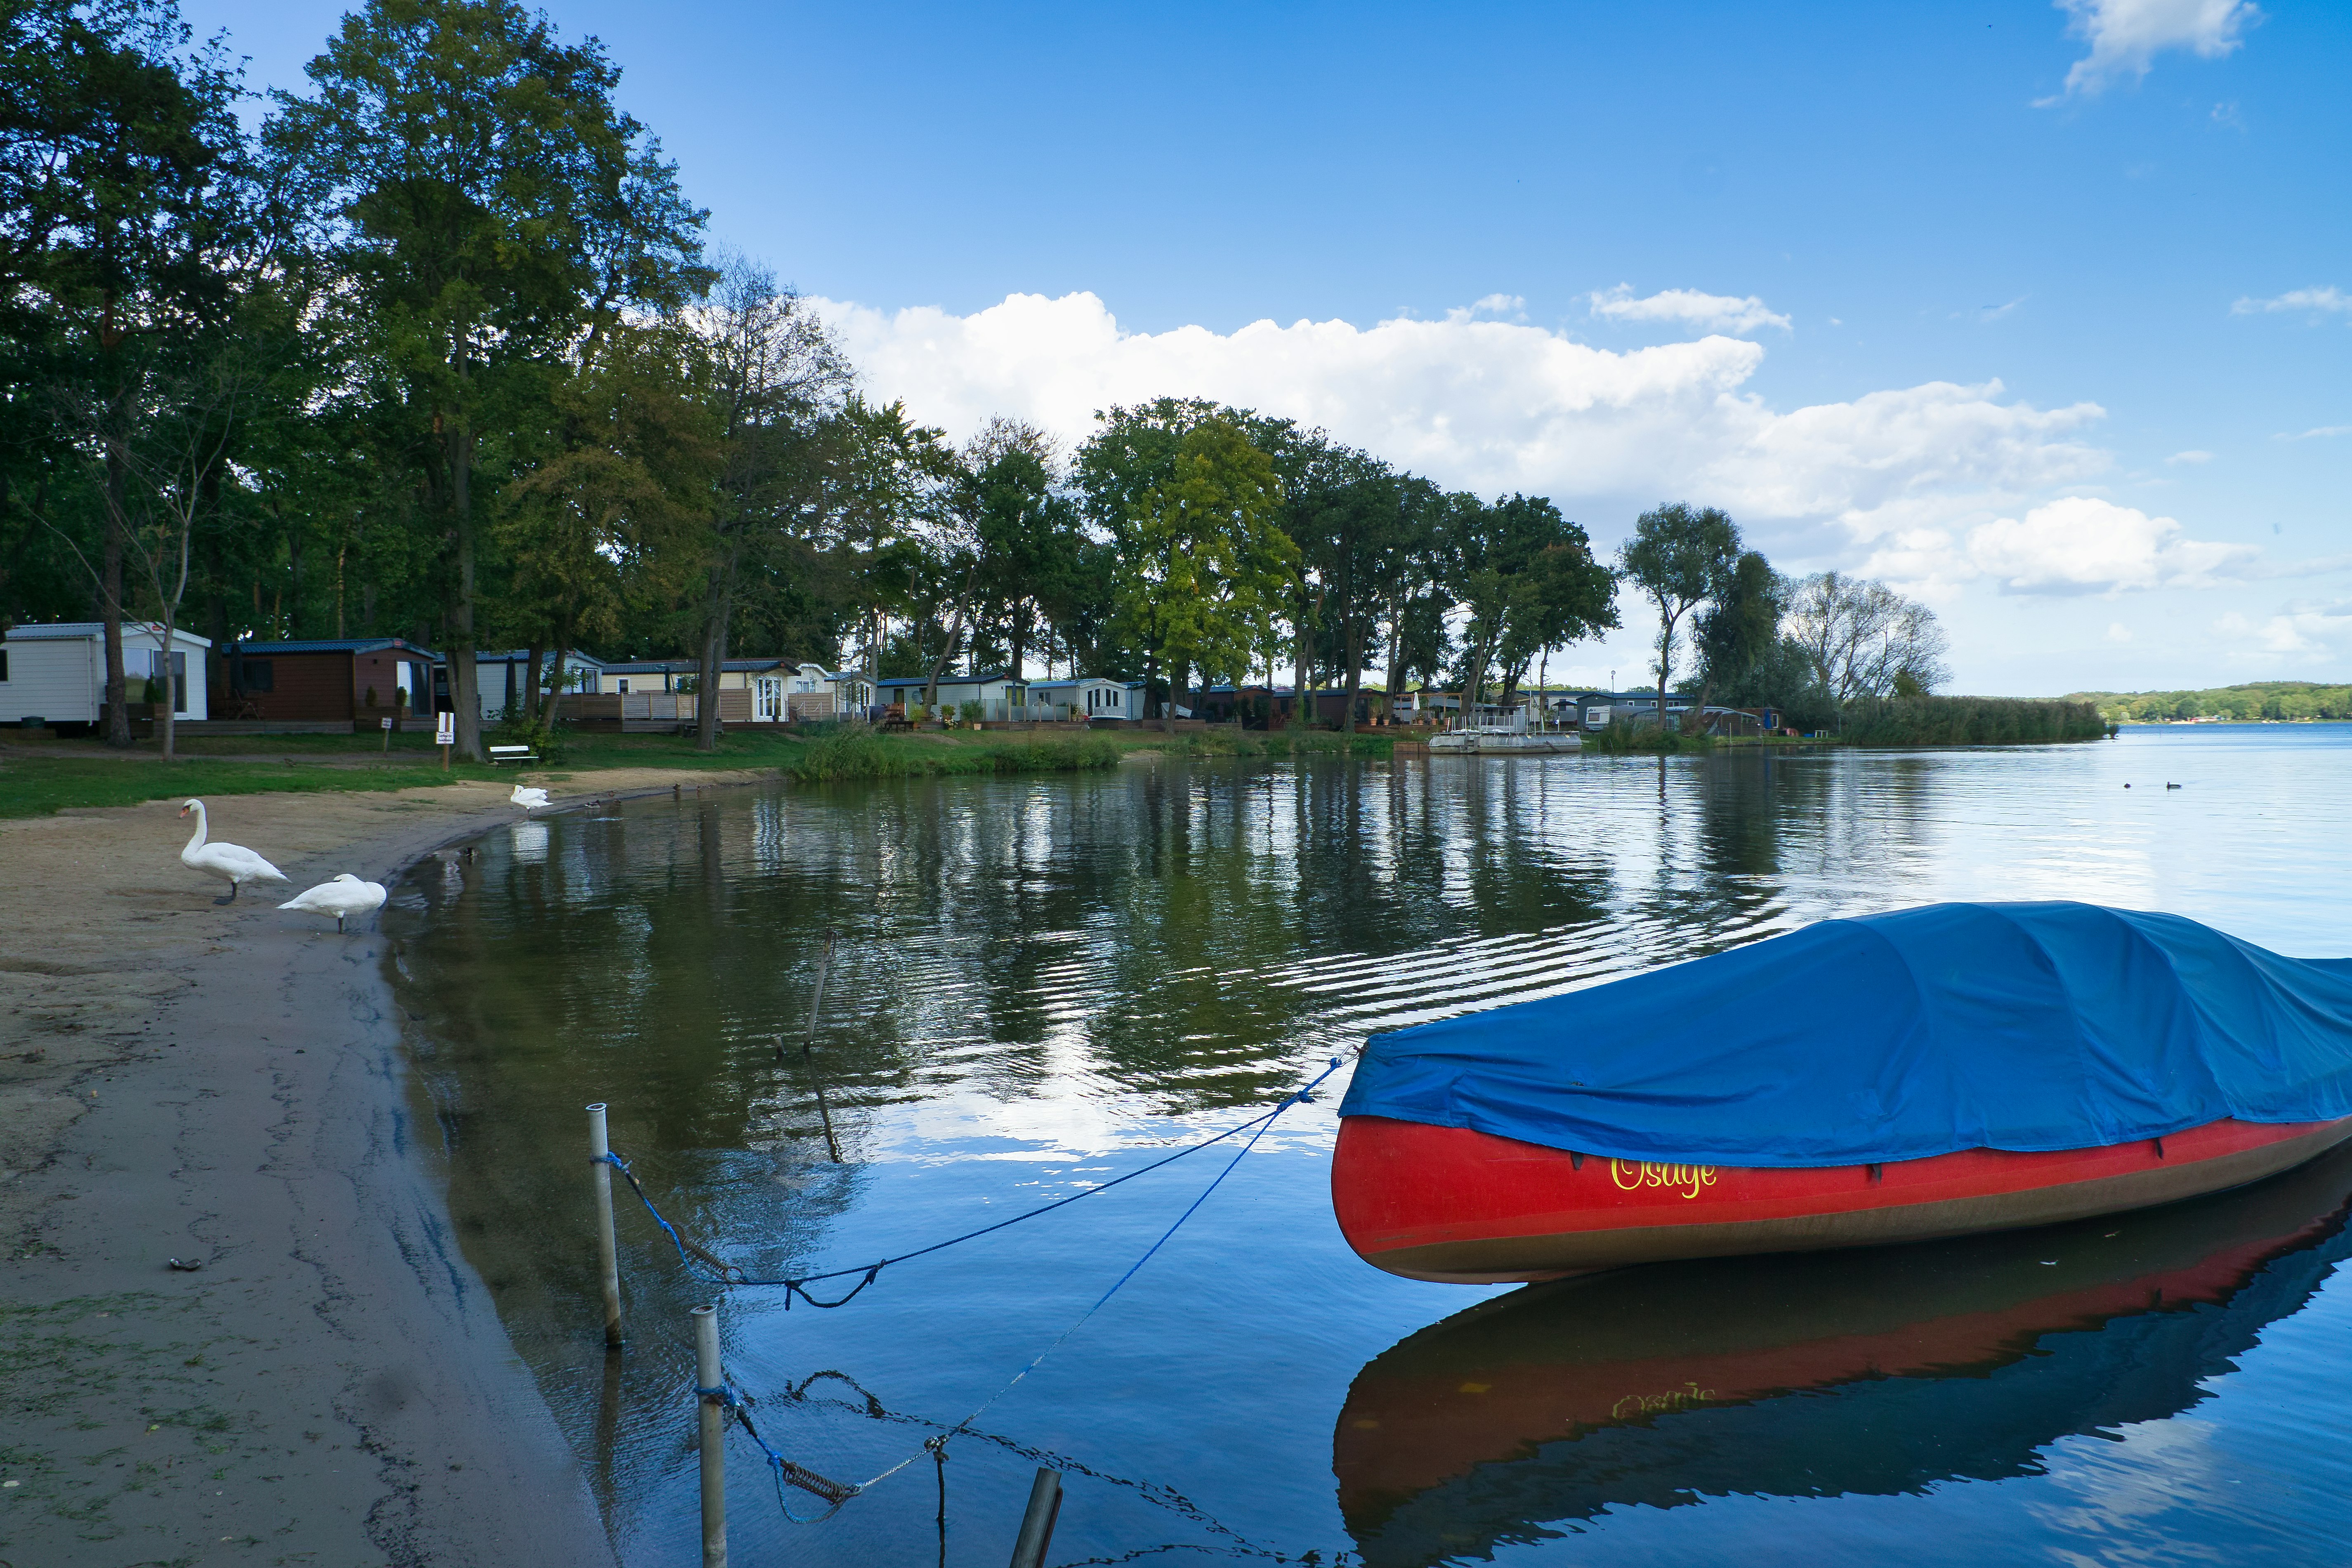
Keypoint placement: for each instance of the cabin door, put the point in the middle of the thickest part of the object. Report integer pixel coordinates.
(768, 699)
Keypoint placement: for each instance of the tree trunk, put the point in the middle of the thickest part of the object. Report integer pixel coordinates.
(1353, 645)
(1665, 659)
(717, 608)
(552, 708)
(464, 678)
(1179, 673)
(109, 598)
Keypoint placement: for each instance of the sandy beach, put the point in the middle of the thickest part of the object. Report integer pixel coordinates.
(222, 1086)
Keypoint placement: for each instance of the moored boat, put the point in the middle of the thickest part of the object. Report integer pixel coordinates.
(1878, 1373)
(1983, 1066)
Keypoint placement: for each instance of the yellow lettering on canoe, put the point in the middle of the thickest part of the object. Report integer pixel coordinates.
(1684, 1398)
(1631, 1174)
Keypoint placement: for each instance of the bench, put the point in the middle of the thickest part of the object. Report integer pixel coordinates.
(512, 755)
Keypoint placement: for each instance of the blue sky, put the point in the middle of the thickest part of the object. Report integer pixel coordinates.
(2027, 307)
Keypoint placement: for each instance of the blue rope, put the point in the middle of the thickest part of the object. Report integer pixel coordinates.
(700, 1262)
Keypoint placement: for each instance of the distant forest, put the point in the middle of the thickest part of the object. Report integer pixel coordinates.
(2253, 699)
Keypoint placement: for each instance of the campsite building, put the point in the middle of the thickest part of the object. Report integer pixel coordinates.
(55, 674)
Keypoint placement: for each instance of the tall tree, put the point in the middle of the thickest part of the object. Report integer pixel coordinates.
(120, 160)
(1527, 577)
(1203, 566)
(1738, 632)
(488, 206)
(777, 378)
(1681, 557)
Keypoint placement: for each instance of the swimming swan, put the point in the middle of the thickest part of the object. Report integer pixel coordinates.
(342, 897)
(232, 863)
(530, 800)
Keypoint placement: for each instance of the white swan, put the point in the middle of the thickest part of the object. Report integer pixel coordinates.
(232, 863)
(342, 897)
(529, 799)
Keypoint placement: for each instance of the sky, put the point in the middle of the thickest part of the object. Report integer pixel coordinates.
(2041, 312)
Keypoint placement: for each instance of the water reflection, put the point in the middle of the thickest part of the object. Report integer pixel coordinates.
(1042, 982)
(1873, 1373)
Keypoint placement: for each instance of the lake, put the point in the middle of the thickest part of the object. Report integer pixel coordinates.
(1039, 984)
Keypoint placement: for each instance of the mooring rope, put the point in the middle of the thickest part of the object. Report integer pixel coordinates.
(702, 1263)
(836, 1493)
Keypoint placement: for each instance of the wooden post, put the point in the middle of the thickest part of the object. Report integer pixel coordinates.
(608, 1257)
(710, 1373)
(1037, 1525)
(816, 997)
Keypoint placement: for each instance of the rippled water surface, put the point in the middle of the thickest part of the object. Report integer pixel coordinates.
(1038, 984)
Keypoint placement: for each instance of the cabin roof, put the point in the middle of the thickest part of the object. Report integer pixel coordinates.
(67, 631)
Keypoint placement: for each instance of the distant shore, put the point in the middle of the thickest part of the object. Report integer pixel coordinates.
(222, 1087)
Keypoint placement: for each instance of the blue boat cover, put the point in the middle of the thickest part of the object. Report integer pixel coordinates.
(1894, 1037)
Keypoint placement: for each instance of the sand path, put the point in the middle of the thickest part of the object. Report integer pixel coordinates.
(221, 1086)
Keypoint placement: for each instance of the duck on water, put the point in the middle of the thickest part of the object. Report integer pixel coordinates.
(1936, 1071)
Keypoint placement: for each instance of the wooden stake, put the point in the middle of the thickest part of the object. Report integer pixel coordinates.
(709, 1374)
(608, 1255)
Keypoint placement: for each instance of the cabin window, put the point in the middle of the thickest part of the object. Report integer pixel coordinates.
(623, 685)
(260, 675)
(4, 664)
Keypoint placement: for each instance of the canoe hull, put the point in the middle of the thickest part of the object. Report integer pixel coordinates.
(1457, 1206)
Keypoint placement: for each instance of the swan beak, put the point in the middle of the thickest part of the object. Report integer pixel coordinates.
(183, 811)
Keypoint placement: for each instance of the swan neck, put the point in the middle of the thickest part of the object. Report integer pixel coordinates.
(196, 839)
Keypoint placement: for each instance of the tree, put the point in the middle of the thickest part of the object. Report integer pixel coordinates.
(777, 386)
(1203, 566)
(621, 502)
(1859, 637)
(1681, 558)
(120, 160)
(1527, 577)
(1413, 600)
(487, 206)
(884, 476)
(1738, 633)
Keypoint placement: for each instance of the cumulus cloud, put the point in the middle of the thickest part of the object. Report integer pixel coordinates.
(2330, 301)
(1494, 405)
(2125, 35)
(2191, 455)
(2306, 632)
(1686, 307)
(2319, 433)
(2118, 632)
(2086, 544)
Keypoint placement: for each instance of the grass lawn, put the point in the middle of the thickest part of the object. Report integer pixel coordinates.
(41, 773)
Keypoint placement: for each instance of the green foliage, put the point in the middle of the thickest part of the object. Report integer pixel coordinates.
(1623, 739)
(546, 739)
(1680, 556)
(1968, 721)
(862, 755)
(1201, 566)
(2289, 700)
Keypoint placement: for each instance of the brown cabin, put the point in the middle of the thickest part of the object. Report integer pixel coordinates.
(353, 680)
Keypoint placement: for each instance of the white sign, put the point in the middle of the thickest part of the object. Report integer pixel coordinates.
(385, 722)
(445, 729)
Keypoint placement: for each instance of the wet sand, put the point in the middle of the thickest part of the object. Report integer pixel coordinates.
(223, 1085)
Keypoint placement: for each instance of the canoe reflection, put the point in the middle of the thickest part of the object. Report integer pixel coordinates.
(1876, 1372)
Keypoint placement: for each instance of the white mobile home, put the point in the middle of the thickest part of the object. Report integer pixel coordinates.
(813, 692)
(1001, 697)
(1089, 697)
(55, 674)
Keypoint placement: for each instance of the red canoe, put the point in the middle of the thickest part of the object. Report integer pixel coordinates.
(1458, 1206)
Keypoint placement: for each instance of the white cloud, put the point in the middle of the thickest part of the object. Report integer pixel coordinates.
(2191, 455)
(2320, 433)
(2320, 301)
(2118, 632)
(1687, 306)
(2084, 544)
(1496, 405)
(2305, 632)
(2125, 35)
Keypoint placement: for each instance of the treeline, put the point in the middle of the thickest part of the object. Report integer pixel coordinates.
(2296, 699)
(435, 347)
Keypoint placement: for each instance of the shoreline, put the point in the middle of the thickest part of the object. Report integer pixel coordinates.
(227, 1087)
